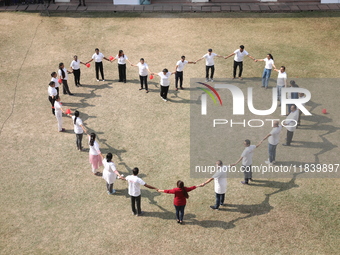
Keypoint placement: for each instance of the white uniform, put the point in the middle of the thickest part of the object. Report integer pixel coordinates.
(58, 115)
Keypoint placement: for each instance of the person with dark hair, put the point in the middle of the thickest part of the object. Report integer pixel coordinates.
(78, 128)
(63, 75)
(164, 82)
(179, 71)
(58, 114)
(98, 59)
(292, 95)
(180, 199)
(291, 123)
(52, 94)
(134, 191)
(238, 60)
(247, 160)
(209, 64)
(122, 58)
(56, 82)
(143, 74)
(281, 81)
(75, 66)
(267, 69)
(110, 173)
(94, 154)
(220, 181)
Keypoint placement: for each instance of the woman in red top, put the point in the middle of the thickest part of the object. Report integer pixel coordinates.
(180, 200)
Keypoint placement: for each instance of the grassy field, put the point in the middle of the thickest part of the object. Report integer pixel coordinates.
(52, 204)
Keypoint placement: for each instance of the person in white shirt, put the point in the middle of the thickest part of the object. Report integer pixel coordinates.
(63, 76)
(134, 190)
(52, 94)
(281, 81)
(238, 60)
(58, 114)
(301, 95)
(179, 71)
(143, 74)
(98, 59)
(75, 66)
(164, 82)
(78, 128)
(291, 123)
(247, 160)
(55, 80)
(110, 173)
(209, 64)
(94, 154)
(267, 69)
(273, 141)
(122, 58)
(220, 181)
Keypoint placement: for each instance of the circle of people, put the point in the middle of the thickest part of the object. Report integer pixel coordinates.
(110, 172)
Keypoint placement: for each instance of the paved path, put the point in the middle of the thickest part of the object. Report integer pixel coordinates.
(185, 6)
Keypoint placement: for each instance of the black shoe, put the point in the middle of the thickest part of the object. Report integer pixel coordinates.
(250, 179)
(79, 84)
(79, 5)
(182, 88)
(213, 207)
(246, 183)
(84, 4)
(285, 144)
(71, 94)
(141, 89)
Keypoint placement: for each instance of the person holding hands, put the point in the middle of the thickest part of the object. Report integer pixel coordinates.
(209, 64)
(143, 74)
(75, 66)
(180, 199)
(122, 58)
(238, 60)
(269, 60)
(179, 71)
(164, 82)
(98, 59)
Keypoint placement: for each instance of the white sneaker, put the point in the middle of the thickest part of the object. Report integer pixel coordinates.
(211, 80)
(97, 80)
(267, 162)
(206, 80)
(165, 100)
(103, 80)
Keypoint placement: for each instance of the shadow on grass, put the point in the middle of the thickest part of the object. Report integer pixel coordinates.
(250, 210)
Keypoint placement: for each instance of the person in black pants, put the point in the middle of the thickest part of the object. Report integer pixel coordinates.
(122, 58)
(238, 60)
(52, 95)
(179, 71)
(63, 75)
(75, 66)
(98, 58)
(143, 74)
(134, 190)
(164, 82)
(80, 3)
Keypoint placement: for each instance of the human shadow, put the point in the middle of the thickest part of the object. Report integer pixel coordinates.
(249, 210)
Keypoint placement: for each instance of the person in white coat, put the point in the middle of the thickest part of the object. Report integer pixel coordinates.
(110, 173)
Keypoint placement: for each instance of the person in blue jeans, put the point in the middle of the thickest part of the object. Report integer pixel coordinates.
(220, 181)
(267, 69)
